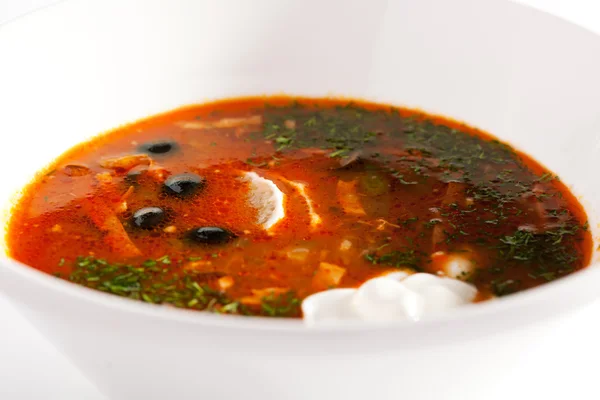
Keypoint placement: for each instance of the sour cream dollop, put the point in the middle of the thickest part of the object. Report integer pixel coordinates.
(267, 198)
(393, 297)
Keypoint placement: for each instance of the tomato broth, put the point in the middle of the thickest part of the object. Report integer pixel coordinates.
(174, 209)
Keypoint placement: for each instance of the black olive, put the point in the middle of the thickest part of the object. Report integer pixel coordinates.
(159, 147)
(148, 218)
(184, 185)
(211, 235)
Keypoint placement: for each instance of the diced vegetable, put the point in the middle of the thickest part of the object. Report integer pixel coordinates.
(455, 194)
(374, 184)
(313, 151)
(225, 282)
(298, 254)
(348, 252)
(198, 265)
(223, 123)
(104, 177)
(327, 276)
(259, 294)
(157, 173)
(345, 245)
(347, 194)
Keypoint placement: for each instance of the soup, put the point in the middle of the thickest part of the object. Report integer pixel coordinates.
(249, 206)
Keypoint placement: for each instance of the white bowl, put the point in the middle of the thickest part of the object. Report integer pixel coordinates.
(81, 67)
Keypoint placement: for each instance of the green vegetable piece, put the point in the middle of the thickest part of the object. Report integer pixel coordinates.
(374, 184)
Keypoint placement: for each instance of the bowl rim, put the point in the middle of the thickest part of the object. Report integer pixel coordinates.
(499, 306)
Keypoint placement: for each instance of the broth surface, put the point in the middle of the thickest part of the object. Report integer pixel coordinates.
(392, 188)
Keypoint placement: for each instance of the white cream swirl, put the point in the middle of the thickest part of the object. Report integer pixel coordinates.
(397, 296)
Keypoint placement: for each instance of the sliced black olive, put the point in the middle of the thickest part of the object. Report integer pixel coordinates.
(159, 147)
(211, 235)
(148, 218)
(184, 185)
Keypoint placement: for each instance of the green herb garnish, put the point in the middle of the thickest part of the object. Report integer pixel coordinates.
(152, 283)
(408, 258)
(282, 305)
(341, 130)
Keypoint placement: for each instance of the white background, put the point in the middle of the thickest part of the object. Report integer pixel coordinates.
(31, 369)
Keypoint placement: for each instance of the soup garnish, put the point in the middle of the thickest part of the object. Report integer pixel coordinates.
(249, 206)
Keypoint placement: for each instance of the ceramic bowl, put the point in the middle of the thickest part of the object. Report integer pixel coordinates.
(81, 67)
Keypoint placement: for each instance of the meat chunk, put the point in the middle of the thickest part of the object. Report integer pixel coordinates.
(115, 235)
(125, 163)
(223, 123)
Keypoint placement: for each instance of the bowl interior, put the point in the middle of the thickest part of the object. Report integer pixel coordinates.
(82, 67)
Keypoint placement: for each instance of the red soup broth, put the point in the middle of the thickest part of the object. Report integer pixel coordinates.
(159, 211)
